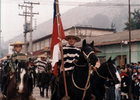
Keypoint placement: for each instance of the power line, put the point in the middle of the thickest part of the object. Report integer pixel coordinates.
(95, 4)
(79, 3)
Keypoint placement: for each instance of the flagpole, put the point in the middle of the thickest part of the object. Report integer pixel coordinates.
(61, 48)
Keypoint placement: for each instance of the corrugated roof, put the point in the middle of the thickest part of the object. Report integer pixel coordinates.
(113, 38)
(84, 27)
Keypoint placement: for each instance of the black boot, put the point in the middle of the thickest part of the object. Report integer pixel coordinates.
(30, 85)
(4, 90)
(5, 84)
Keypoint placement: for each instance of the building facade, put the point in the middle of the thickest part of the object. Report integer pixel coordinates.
(108, 42)
(113, 45)
(45, 42)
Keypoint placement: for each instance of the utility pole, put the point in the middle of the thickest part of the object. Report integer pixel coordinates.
(129, 34)
(25, 25)
(31, 30)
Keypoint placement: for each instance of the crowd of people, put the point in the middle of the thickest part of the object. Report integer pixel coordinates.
(129, 88)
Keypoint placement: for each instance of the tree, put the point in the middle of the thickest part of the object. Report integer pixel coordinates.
(135, 20)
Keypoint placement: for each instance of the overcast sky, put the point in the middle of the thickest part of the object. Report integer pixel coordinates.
(12, 23)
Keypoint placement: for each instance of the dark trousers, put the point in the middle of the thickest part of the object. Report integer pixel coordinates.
(33, 78)
(4, 83)
(53, 77)
(30, 82)
(110, 93)
(61, 82)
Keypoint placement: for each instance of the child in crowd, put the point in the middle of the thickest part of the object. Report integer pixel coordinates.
(136, 90)
(132, 84)
(138, 75)
(134, 72)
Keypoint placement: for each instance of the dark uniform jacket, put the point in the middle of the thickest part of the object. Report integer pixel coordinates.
(136, 89)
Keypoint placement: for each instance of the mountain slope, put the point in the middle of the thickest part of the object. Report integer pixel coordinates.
(100, 14)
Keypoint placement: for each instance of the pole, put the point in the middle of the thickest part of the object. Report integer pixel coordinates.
(61, 48)
(129, 34)
(25, 34)
(31, 29)
(25, 31)
(31, 47)
(121, 53)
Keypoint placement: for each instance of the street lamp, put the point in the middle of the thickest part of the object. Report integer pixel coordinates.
(123, 42)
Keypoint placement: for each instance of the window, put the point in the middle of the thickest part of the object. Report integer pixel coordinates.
(38, 46)
(34, 47)
(28, 49)
(47, 43)
(42, 44)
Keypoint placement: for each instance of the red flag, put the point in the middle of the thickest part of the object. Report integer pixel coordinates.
(55, 39)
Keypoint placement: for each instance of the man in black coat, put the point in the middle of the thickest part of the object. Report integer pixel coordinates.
(136, 90)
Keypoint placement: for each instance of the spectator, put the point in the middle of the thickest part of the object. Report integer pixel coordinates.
(123, 67)
(132, 84)
(1, 65)
(134, 72)
(138, 64)
(125, 83)
(117, 87)
(127, 70)
(135, 66)
(138, 75)
(136, 90)
(119, 69)
(131, 65)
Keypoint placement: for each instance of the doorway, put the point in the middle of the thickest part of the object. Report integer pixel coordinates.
(123, 61)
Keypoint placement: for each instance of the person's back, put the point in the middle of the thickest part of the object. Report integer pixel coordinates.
(125, 79)
(41, 65)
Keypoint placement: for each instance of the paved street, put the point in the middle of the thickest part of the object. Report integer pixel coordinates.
(36, 94)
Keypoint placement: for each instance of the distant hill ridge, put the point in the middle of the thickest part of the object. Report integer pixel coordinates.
(96, 15)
